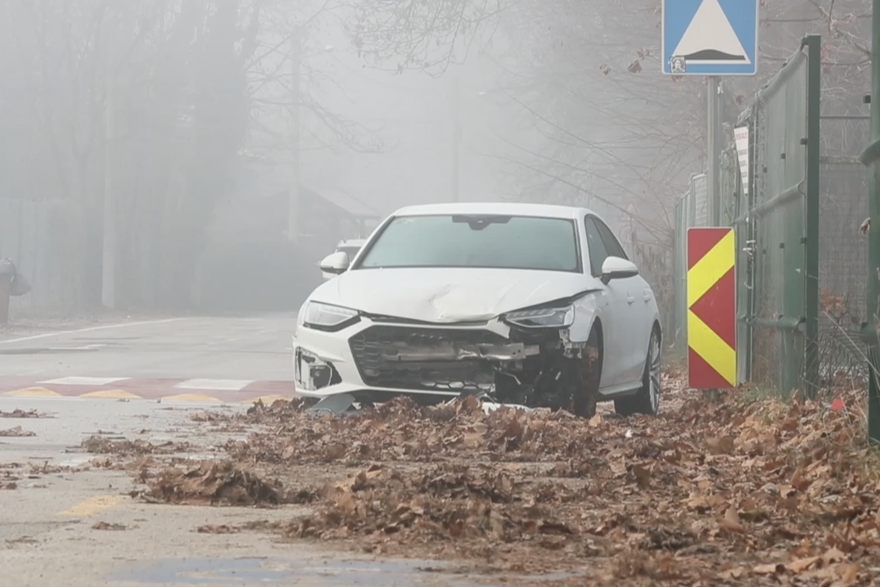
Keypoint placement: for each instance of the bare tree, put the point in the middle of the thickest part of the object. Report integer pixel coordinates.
(425, 35)
(150, 103)
(618, 135)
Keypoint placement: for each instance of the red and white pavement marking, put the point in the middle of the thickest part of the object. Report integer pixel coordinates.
(193, 390)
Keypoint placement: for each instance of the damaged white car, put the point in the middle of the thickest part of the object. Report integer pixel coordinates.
(525, 304)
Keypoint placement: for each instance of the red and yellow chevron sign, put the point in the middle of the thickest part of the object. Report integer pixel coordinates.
(711, 300)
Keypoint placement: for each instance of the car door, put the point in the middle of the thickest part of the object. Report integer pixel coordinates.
(613, 310)
(639, 318)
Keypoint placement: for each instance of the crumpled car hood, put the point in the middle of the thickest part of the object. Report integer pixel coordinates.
(448, 295)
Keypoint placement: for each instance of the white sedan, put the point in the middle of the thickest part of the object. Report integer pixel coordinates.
(526, 304)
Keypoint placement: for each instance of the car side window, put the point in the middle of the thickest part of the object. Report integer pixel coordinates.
(612, 245)
(595, 246)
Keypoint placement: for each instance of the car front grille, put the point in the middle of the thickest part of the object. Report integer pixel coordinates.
(378, 351)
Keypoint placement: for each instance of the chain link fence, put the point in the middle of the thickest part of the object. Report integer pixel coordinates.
(843, 254)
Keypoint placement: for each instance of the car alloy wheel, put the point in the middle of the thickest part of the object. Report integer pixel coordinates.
(647, 398)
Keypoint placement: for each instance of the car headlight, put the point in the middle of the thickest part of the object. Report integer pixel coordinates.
(328, 317)
(543, 318)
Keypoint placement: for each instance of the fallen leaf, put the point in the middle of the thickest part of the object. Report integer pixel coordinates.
(769, 569)
(848, 575)
(733, 573)
(722, 445)
(801, 564)
(799, 481)
(643, 476)
(833, 555)
(731, 522)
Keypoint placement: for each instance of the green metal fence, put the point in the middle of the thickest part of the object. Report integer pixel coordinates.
(777, 229)
(784, 214)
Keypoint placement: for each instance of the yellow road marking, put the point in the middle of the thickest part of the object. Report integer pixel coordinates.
(33, 392)
(712, 348)
(93, 505)
(190, 397)
(712, 267)
(111, 394)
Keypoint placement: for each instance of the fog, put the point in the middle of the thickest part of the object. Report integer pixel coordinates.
(204, 155)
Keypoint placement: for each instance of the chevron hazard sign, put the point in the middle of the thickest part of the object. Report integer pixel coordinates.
(711, 301)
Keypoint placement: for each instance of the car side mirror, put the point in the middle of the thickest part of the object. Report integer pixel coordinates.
(618, 268)
(335, 263)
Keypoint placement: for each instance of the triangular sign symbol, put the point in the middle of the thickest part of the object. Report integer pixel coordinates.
(710, 38)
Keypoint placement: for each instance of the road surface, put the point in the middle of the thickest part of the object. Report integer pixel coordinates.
(81, 528)
(197, 359)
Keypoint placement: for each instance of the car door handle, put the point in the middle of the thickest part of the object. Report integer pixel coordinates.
(630, 299)
(647, 296)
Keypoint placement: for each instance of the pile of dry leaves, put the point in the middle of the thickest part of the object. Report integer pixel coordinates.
(402, 431)
(210, 482)
(124, 447)
(734, 492)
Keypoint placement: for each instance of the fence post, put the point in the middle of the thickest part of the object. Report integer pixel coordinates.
(676, 267)
(811, 258)
(752, 240)
(871, 158)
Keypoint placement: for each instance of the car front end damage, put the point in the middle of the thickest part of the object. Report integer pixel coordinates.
(527, 357)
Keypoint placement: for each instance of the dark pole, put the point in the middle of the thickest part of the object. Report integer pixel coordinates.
(811, 298)
(871, 158)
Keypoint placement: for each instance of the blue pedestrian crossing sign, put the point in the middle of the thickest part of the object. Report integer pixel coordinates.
(710, 37)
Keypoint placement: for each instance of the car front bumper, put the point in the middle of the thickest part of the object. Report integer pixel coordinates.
(355, 360)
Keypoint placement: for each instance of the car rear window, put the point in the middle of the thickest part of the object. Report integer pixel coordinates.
(485, 241)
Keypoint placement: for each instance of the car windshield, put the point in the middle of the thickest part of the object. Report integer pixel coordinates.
(486, 241)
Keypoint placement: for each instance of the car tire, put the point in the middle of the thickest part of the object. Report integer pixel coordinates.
(587, 375)
(647, 400)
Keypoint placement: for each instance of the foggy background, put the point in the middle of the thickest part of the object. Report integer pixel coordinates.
(204, 155)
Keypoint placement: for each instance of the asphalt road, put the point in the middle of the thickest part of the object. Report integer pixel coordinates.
(218, 348)
(48, 533)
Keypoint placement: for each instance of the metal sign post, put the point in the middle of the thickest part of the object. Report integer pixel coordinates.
(713, 147)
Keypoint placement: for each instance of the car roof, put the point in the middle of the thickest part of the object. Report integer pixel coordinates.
(512, 208)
